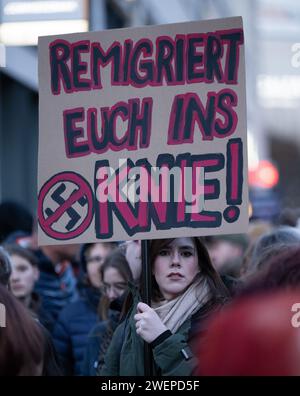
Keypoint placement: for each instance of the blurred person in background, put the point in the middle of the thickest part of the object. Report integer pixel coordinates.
(57, 283)
(289, 217)
(14, 217)
(256, 229)
(269, 245)
(185, 290)
(132, 251)
(5, 267)
(226, 253)
(51, 364)
(22, 342)
(77, 319)
(20, 238)
(58, 268)
(255, 336)
(280, 272)
(24, 275)
(115, 275)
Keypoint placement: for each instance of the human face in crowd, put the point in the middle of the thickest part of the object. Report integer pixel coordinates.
(58, 253)
(175, 267)
(222, 252)
(114, 284)
(95, 259)
(23, 276)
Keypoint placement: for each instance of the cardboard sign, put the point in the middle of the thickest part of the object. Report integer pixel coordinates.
(143, 133)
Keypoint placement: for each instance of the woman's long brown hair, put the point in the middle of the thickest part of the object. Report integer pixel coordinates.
(21, 341)
(219, 291)
(216, 285)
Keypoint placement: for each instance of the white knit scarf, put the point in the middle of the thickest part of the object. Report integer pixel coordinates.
(175, 312)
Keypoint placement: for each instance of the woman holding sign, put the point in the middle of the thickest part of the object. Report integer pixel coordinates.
(185, 290)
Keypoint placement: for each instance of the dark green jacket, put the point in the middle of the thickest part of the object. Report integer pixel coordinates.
(125, 356)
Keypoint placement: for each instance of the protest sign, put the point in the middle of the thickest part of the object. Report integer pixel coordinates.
(142, 133)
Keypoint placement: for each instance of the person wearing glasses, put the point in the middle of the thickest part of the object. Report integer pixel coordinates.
(115, 273)
(77, 319)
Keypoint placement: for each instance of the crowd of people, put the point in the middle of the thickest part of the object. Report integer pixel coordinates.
(220, 305)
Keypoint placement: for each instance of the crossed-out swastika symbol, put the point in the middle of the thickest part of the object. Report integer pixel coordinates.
(81, 193)
(72, 213)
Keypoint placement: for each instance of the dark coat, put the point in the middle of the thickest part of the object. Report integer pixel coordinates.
(97, 345)
(51, 364)
(57, 285)
(100, 338)
(72, 328)
(174, 356)
(36, 308)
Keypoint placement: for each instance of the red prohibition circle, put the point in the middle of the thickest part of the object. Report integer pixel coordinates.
(84, 189)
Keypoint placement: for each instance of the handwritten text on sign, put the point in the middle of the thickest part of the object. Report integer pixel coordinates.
(143, 131)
